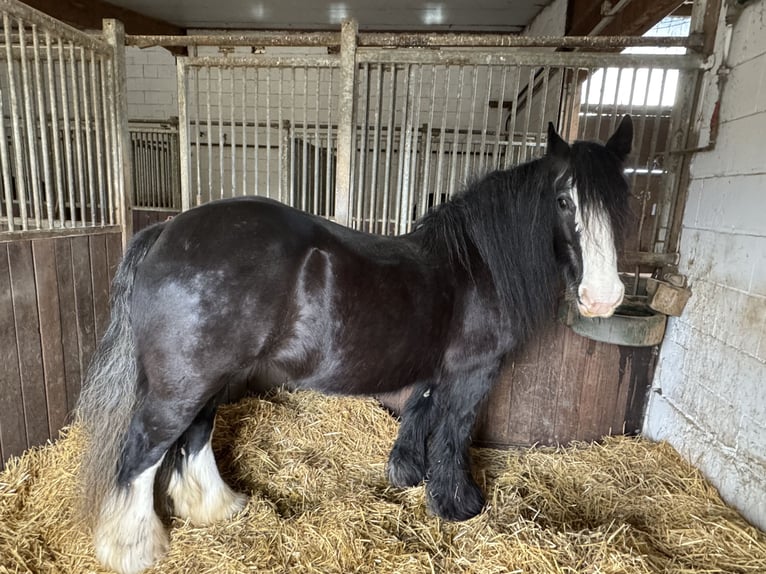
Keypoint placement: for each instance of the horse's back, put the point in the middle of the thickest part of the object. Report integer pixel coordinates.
(251, 283)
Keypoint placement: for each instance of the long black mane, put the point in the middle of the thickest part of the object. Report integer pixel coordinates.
(503, 224)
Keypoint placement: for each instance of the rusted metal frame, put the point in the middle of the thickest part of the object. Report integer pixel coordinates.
(517, 58)
(114, 32)
(56, 27)
(343, 180)
(407, 40)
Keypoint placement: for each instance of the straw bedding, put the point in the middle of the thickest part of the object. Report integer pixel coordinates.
(314, 467)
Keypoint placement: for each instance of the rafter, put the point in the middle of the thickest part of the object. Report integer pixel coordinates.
(636, 18)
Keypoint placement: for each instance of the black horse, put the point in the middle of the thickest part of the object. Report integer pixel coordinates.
(249, 288)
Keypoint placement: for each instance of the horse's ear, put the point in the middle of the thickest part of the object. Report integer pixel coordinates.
(557, 147)
(622, 140)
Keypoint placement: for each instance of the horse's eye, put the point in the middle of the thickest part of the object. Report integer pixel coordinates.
(564, 203)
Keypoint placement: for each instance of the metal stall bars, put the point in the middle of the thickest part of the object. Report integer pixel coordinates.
(263, 124)
(59, 139)
(421, 121)
(156, 166)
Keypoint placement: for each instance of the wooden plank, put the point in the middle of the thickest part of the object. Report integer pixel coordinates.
(523, 395)
(13, 433)
(113, 254)
(69, 336)
(543, 423)
(494, 419)
(100, 283)
(26, 317)
(569, 391)
(44, 253)
(83, 298)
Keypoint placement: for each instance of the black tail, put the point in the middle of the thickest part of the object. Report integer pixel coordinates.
(109, 394)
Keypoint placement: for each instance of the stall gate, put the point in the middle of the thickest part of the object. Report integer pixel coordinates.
(61, 215)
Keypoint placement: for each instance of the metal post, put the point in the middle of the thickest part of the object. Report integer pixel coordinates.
(183, 137)
(346, 120)
(114, 32)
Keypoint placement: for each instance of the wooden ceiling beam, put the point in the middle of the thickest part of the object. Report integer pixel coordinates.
(635, 19)
(88, 14)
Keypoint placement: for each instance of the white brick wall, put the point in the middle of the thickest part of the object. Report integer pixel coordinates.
(709, 397)
(151, 82)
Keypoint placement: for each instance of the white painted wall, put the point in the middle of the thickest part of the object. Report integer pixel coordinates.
(709, 398)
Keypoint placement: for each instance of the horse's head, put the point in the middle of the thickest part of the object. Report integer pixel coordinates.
(591, 195)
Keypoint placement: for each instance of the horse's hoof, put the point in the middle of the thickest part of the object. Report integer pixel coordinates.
(130, 550)
(405, 469)
(455, 502)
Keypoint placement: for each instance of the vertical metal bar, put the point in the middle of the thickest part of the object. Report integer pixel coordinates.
(428, 137)
(221, 135)
(613, 121)
(256, 121)
(485, 120)
(281, 189)
(376, 149)
(509, 159)
(184, 153)
(541, 127)
(268, 133)
(600, 112)
(469, 134)
(305, 143)
(86, 109)
(244, 130)
(67, 136)
(115, 205)
(317, 144)
(402, 168)
(42, 119)
(21, 191)
(5, 164)
(343, 178)
(30, 125)
(98, 134)
(456, 134)
(78, 132)
(363, 147)
(499, 125)
(55, 130)
(662, 204)
(209, 186)
(233, 135)
(415, 137)
(528, 115)
(442, 136)
(389, 151)
(330, 198)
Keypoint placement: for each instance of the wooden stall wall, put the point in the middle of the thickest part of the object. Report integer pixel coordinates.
(54, 306)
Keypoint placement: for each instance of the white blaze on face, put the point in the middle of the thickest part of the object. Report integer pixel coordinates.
(600, 291)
